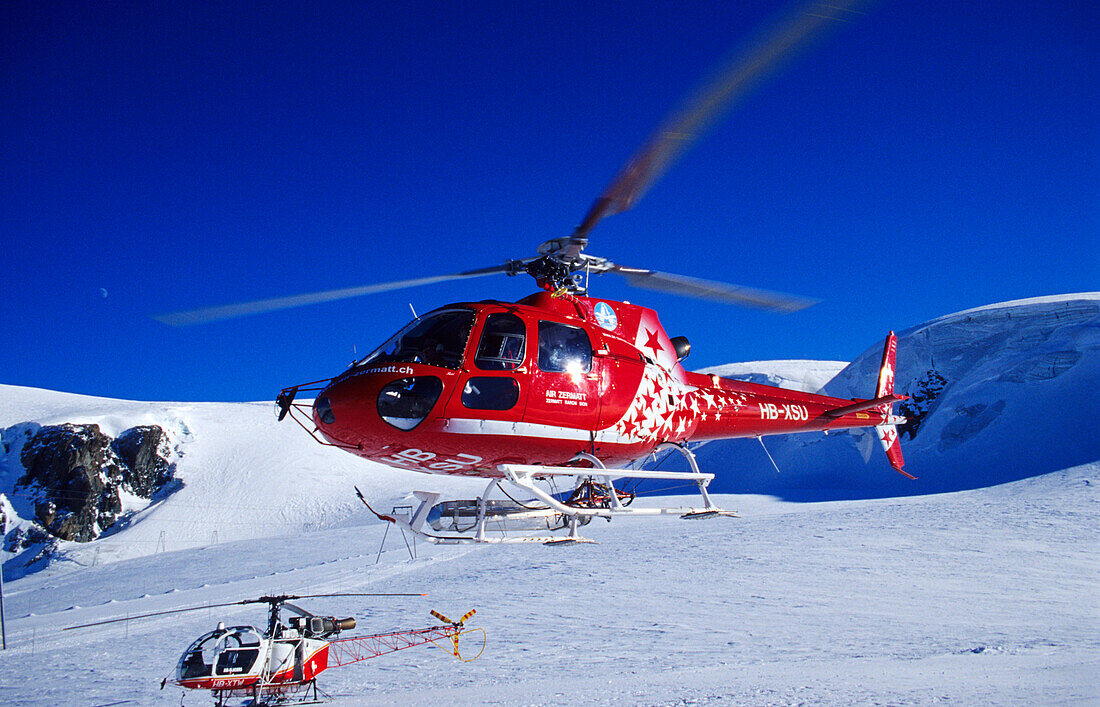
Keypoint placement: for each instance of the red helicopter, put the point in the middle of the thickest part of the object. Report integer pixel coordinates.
(285, 660)
(562, 384)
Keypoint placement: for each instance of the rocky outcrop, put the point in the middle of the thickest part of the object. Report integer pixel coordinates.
(923, 399)
(143, 451)
(75, 475)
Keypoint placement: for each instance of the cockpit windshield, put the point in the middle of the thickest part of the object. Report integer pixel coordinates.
(436, 339)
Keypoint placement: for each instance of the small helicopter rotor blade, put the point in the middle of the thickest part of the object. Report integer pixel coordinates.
(732, 81)
(460, 622)
(360, 594)
(230, 311)
(709, 289)
(296, 609)
(281, 599)
(158, 613)
(441, 617)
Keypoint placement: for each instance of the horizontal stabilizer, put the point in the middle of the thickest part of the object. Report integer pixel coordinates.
(865, 405)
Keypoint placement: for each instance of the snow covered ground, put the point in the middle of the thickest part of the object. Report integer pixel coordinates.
(976, 597)
(983, 594)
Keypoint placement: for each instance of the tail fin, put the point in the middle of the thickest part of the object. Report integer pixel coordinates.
(888, 433)
(886, 370)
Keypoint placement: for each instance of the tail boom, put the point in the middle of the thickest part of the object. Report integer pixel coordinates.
(754, 410)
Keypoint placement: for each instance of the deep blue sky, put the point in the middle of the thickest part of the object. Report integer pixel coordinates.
(926, 158)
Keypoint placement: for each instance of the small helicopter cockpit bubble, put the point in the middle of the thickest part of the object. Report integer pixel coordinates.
(237, 650)
(198, 660)
(223, 651)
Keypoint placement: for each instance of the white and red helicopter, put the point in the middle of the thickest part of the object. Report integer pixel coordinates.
(284, 660)
(563, 384)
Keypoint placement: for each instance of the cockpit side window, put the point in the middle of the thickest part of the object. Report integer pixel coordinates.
(436, 339)
(564, 348)
(503, 342)
(236, 660)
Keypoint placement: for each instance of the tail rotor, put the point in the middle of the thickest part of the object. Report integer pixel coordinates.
(458, 624)
(455, 629)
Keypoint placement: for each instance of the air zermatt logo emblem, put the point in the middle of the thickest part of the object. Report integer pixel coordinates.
(605, 315)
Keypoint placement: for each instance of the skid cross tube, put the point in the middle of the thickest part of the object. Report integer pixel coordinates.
(524, 475)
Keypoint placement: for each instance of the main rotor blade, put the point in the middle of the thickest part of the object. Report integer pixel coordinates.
(358, 594)
(708, 289)
(229, 311)
(158, 613)
(733, 81)
(296, 609)
(262, 600)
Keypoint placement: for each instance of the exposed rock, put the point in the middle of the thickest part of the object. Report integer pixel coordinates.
(923, 400)
(143, 451)
(47, 551)
(22, 538)
(74, 474)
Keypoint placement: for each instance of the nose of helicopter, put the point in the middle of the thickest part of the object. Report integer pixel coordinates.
(366, 409)
(340, 411)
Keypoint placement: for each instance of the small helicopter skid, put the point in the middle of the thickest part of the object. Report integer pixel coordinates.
(594, 495)
(303, 694)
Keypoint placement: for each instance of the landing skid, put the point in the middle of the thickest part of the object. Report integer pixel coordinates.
(561, 542)
(270, 694)
(488, 521)
(700, 515)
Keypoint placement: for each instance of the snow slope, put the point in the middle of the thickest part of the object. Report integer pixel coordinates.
(981, 596)
(241, 474)
(975, 597)
(1019, 401)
